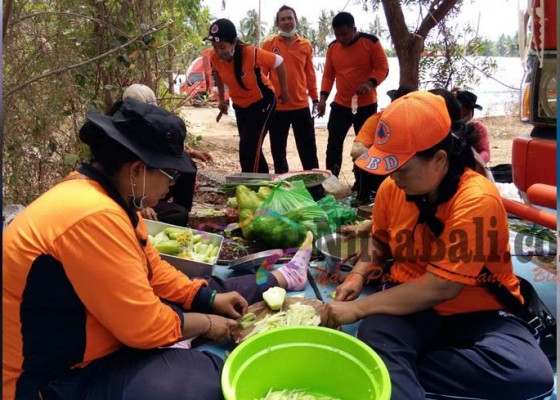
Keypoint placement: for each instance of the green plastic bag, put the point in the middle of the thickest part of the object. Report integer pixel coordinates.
(338, 214)
(287, 214)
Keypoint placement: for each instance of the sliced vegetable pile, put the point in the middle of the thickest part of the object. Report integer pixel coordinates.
(293, 395)
(183, 243)
(297, 315)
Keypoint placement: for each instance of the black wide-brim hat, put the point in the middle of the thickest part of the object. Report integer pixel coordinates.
(155, 135)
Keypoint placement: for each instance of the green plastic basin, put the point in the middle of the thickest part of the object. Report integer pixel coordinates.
(319, 360)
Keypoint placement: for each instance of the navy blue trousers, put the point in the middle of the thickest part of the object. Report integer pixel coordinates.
(340, 121)
(155, 374)
(486, 355)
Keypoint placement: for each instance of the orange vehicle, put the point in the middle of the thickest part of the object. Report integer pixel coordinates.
(200, 81)
(534, 155)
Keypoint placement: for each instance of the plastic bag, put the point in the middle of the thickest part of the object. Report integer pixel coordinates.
(337, 214)
(287, 214)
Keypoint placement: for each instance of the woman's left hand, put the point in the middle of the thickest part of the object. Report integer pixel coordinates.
(201, 155)
(149, 213)
(231, 304)
(338, 313)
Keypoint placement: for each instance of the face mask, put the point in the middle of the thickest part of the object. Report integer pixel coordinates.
(226, 57)
(140, 204)
(288, 34)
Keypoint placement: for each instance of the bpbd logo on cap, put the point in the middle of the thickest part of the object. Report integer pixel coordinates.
(383, 133)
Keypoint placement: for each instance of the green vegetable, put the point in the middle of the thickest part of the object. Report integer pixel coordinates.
(168, 247)
(274, 297)
(296, 394)
(247, 320)
(230, 188)
(171, 231)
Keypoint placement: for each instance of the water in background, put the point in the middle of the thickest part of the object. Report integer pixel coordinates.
(498, 95)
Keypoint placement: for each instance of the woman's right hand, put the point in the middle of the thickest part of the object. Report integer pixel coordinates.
(221, 328)
(351, 288)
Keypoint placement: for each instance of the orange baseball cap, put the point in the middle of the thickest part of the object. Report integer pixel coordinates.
(410, 124)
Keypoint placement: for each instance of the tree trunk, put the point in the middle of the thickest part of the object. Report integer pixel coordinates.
(409, 45)
(7, 12)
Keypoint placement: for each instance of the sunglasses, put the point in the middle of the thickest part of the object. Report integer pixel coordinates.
(171, 174)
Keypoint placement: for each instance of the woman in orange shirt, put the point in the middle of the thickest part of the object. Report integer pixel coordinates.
(437, 324)
(239, 66)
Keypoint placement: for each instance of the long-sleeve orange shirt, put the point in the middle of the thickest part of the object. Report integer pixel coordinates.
(298, 60)
(353, 65)
(255, 82)
(77, 286)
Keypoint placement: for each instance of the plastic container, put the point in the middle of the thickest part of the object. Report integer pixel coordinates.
(354, 104)
(319, 360)
(190, 268)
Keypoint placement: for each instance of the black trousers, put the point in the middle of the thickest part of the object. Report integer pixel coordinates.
(156, 374)
(340, 120)
(304, 135)
(252, 124)
(486, 355)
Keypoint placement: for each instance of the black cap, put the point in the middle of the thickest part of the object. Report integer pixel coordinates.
(468, 99)
(155, 135)
(222, 30)
(400, 92)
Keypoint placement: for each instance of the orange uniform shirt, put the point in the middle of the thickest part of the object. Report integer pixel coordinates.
(353, 65)
(367, 133)
(255, 83)
(76, 286)
(298, 60)
(475, 234)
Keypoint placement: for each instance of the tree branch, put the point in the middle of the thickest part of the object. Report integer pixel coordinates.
(60, 70)
(70, 14)
(438, 10)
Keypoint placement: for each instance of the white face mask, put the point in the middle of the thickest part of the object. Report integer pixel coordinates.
(227, 57)
(288, 34)
(140, 204)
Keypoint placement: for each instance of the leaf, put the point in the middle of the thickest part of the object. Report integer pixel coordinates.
(70, 159)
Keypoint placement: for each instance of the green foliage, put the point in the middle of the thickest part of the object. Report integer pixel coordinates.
(453, 59)
(98, 48)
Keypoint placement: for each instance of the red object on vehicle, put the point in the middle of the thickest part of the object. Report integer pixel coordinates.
(200, 80)
(544, 22)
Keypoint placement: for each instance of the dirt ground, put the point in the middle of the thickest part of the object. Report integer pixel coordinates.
(222, 141)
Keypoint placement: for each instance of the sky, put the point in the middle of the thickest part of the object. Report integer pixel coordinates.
(497, 17)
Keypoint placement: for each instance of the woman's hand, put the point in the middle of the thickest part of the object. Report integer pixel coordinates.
(149, 213)
(351, 287)
(231, 304)
(200, 155)
(338, 313)
(220, 328)
(352, 231)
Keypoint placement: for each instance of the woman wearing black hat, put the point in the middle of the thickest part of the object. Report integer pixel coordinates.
(238, 65)
(468, 104)
(88, 302)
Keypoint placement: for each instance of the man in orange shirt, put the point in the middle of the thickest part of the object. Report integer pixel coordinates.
(298, 59)
(358, 63)
(437, 326)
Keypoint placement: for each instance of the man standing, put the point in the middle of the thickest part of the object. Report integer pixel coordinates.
(298, 60)
(358, 63)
